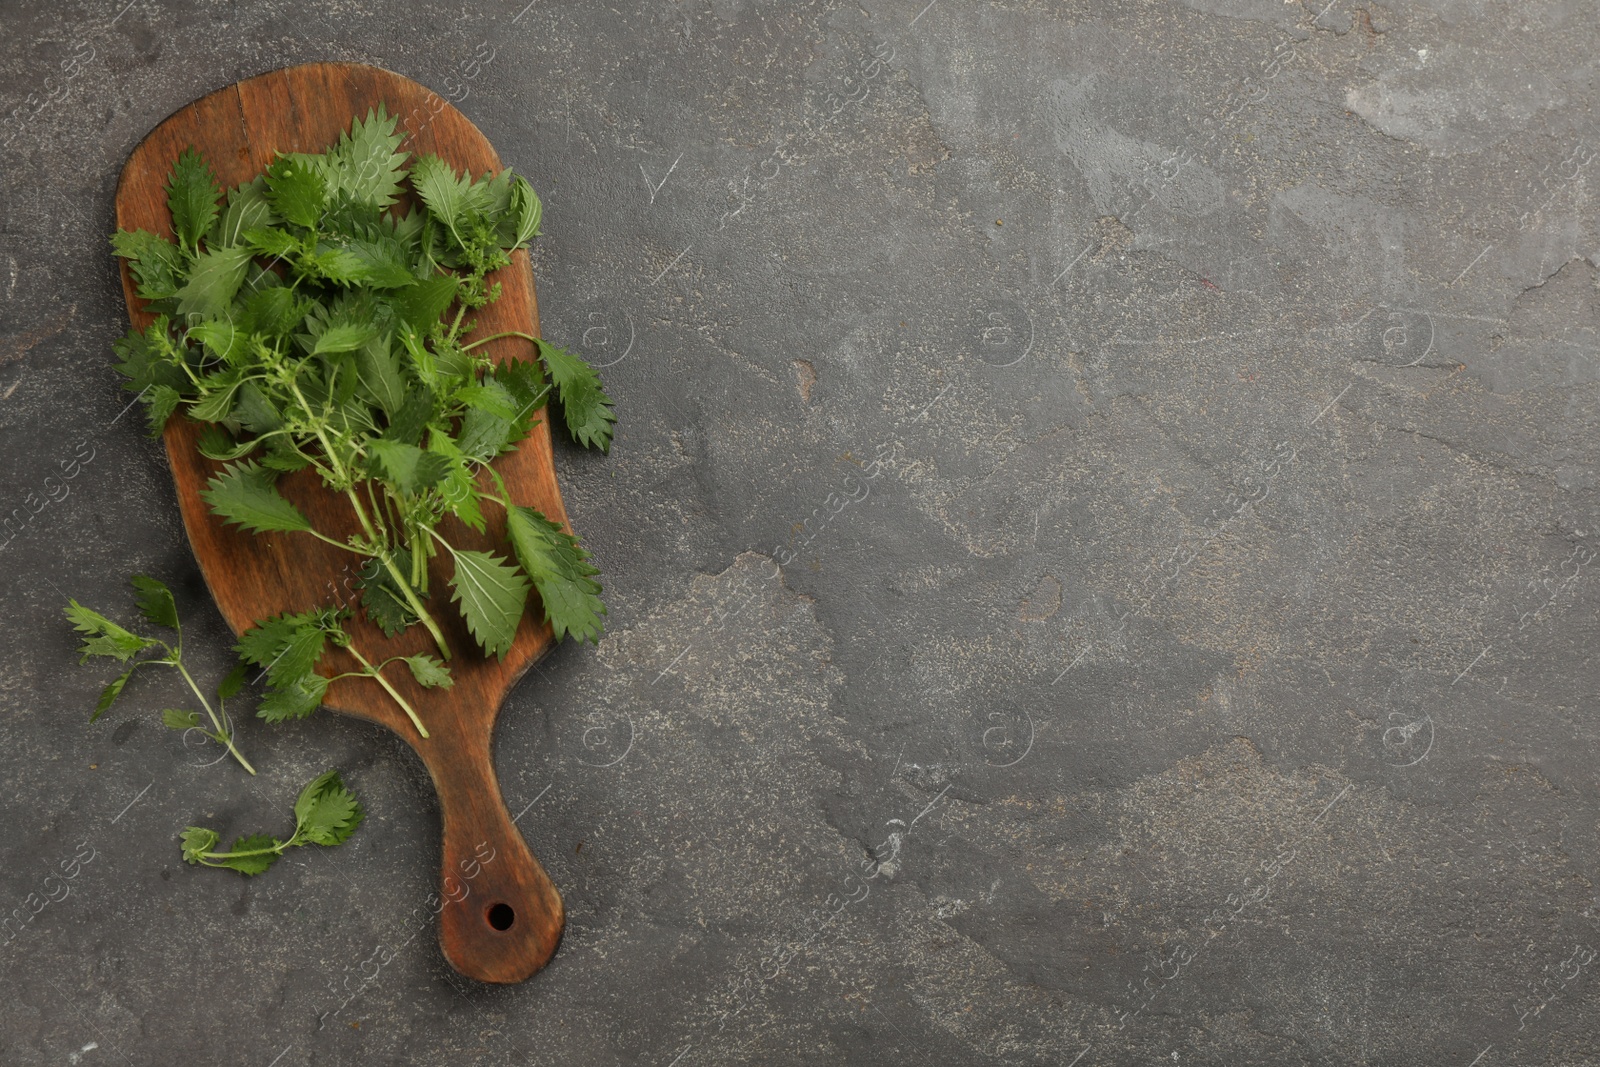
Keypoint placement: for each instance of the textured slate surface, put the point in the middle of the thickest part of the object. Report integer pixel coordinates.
(1175, 425)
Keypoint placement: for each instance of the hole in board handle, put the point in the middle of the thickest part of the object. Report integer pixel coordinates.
(500, 916)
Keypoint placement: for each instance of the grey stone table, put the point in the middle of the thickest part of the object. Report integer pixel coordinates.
(1100, 544)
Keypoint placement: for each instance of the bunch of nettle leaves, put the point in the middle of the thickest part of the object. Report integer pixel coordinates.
(311, 324)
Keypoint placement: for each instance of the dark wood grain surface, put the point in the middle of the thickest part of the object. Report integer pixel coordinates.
(487, 866)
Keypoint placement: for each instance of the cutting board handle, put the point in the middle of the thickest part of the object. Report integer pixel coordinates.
(500, 918)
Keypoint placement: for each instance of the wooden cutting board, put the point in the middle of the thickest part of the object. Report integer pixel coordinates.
(501, 917)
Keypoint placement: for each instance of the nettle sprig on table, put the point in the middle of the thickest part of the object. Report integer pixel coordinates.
(313, 323)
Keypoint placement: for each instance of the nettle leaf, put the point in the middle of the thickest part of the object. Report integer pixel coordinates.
(155, 601)
(409, 468)
(460, 487)
(104, 637)
(192, 194)
(583, 402)
(287, 646)
(255, 413)
(213, 281)
(218, 392)
(109, 694)
(248, 209)
(381, 597)
(274, 243)
(365, 163)
(486, 397)
(160, 402)
(158, 265)
(529, 212)
(230, 686)
(448, 197)
(422, 304)
(196, 841)
(173, 719)
(224, 340)
(326, 813)
(485, 434)
(344, 337)
(382, 380)
(297, 188)
(491, 594)
(216, 443)
(560, 571)
(407, 422)
(381, 263)
(429, 672)
(274, 312)
(293, 701)
(245, 494)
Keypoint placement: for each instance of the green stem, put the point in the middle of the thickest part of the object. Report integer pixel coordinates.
(327, 447)
(461, 309)
(227, 738)
(276, 850)
(373, 673)
(416, 605)
(497, 336)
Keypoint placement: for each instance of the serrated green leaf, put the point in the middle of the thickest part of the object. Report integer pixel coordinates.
(421, 305)
(496, 401)
(266, 852)
(345, 337)
(216, 443)
(160, 402)
(147, 362)
(213, 281)
(409, 468)
(155, 601)
(109, 694)
(366, 163)
(382, 381)
(460, 488)
(192, 194)
(255, 412)
(273, 243)
(407, 422)
(266, 640)
(385, 605)
(104, 637)
(230, 686)
(297, 188)
(429, 672)
(273, 312)
(222, 338)
(293, 701)
(449, 198)
(485, 434)
(326, 813)
(380, 263)
(491, 594)
(287, 646)
(196, 841)
(560, 571)
(584, 403)
(158, 265)
(244, 494)
(283, 458)
(218, 391)
(173, 719)
(248, 209)
(515, 210)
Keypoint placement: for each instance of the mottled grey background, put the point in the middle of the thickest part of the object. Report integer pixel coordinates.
(1178, 420)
